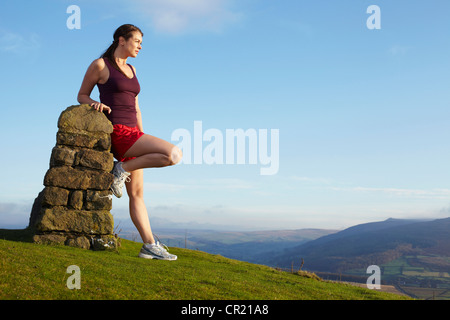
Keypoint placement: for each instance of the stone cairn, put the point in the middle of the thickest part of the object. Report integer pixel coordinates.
(74, 207)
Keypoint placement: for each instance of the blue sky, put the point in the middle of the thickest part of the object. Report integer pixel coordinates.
(362, 114)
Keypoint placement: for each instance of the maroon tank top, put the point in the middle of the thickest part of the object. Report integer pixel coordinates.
(119, 93)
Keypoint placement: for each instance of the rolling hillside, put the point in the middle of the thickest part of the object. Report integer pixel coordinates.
(252, 246)
(372, 243)
(31, 271)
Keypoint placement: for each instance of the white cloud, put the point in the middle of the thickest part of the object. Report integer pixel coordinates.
(298, 27)
(208, 184)
(14, 215)
(311, 179)
(409, 193)
(180, 16)
(398, 50)
(11, 42)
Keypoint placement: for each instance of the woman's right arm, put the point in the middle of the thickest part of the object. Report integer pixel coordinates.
(91, 78)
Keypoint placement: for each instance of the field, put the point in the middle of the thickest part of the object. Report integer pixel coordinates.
(31, 271)
(420, 276)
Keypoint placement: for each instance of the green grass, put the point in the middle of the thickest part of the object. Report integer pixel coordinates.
(31, 271)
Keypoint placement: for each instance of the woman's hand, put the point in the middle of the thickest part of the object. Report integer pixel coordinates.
(101, 107)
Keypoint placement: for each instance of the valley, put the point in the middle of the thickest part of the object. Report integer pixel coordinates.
(413, 255)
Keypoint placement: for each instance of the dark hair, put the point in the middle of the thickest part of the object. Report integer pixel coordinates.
(125, 31)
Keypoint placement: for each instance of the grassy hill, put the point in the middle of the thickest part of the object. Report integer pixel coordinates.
(31, 271)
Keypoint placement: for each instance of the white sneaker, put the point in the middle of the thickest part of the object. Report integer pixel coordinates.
(156, 251)
(120, 177)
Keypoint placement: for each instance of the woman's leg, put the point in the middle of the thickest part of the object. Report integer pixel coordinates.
(151, 152)
(138, 210)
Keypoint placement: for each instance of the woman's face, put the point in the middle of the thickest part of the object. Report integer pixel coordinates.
(133, 44)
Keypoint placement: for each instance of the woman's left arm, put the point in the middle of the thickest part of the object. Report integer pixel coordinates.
(139, 116)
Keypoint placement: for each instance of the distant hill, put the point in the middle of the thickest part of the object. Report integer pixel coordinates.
(370, 243)
(250, 246)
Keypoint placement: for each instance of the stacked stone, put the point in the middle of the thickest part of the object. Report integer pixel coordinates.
(74, 207)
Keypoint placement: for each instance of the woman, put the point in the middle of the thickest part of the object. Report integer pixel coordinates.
(134, 150)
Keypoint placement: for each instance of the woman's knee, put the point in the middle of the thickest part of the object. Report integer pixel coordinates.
(135, 187)
(175, 155)
(135, 193)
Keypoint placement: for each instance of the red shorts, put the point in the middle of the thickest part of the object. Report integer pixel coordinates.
(122, 138)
